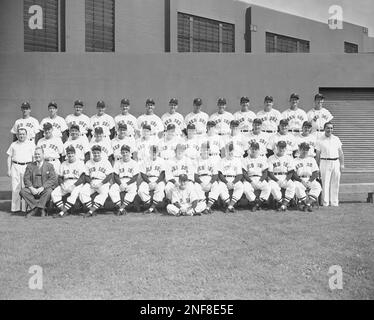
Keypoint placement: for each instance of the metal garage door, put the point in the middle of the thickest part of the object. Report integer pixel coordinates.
(353, 111)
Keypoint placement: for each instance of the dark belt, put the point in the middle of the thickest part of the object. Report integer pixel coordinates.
(222, 134)
(320, 130)
(96, 179)
(21, 163)
(332, 159)
(71, 179)
(125, 177)
(294, 130)
(204, 175)
(230, 176)
(268, 131)
(254, 176)
(280, 173)
(245, 130)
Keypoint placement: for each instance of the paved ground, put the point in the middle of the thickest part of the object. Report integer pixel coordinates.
(262, 255)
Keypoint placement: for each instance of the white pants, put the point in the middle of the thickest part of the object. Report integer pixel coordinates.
(224, 191)
(88, 189)
(282, 184)
(171, 186)
(203, 187)
(173, 210)
(65, 188)
(256, 184)
(129, 189)
(17, 172)
(330, 174)
(314, 190)
(144, 192)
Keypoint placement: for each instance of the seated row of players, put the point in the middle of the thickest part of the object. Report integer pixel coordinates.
(190, 188)
(269, 116)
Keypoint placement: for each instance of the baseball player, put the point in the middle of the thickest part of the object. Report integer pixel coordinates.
(245, 116)
(283, 135)
(308, 137)
(127, 118)
(294, 115)
(270, 117)
(97, 181)
(181, 164)
(144, 143)
(306, 173)
(29, 123)
(198, 118)
(174, 117)
(19, 156)
(105, 144)
(71, 178)
(318, 115)
(255, 175)
(206, 177)
(152, 171)
(230, 176)
(60, 129)
(214, 141)
(169, 143)
(222, 118)
(103, 120)
(280, 172)
(122, 139)
(78, 118)
(258, 136)
(192, 143)
(184, 200)
(152, 120)
(236, 139)
(125, 175)
(52, 146)
(79, 142)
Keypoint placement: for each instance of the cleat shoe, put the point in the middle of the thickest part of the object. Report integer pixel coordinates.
(310, 208)
(231, 209)
(283, 207)
(209, 210)
(149, 211)
(254, 208)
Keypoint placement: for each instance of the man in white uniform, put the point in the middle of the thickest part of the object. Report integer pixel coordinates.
(213, 141)
(222, 118)
(20, 155)
(257, 136)
(60, 129)
(105, 144)
(198, 118)
(236, 139)
(308, 137)
(270, 117)
(294, 115)
(169, 143)
(103, 120)
(27, 122)
(78, 118)
(330, 158)
(174, 117)
(79, 142)
(283, 135)
(192, 144)
(319, 115)
(245, 116)
(127, 118)
(149, 118)
(122, 139)
(144, 143)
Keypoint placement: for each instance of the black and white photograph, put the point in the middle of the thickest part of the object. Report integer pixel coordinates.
(197, 152)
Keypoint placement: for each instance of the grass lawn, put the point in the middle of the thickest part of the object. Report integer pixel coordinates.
(262, 255)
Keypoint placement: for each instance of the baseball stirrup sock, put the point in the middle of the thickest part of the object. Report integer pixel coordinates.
(96, 205)
(126, 203)
(88, 204)
(68, 205)
(118, 203)
(211, 201)
(59, 204)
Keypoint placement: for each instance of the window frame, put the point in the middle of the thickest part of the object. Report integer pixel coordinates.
(349, 46)
(282, 41)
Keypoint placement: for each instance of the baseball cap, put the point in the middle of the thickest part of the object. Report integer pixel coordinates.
(221, 101)
(183, 177)
(269, 98)
(304, 146)
(125, 101)
(74, 127)
(244, 99)
(234, 123)
(125, 147)
(197, 102)
(283, 122)
(319, 96)
(25, 105)
(99, 130)
(173, 101)
(294, 96)
(282, 144)
(52, 104)
(150, 101)
(146, 127)
(257, 121)
(170, 126)
(122, 125)
(70, 149)
(96, 148)
(307, 124)
(47, 126)
(78, 103)
(254, 145)
(211, 124)
(100, 104)
(191, 126)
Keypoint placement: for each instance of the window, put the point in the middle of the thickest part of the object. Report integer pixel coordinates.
(350, 47)
(279, 43)
(197, 34)
(44, 25)
(100, 25)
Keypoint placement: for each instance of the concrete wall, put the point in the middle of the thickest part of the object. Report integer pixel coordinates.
(41, 77)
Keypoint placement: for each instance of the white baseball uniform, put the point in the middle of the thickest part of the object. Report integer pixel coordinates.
(143, 147)
(255, 168)
(21, 154)
(104, 121)
(222, 121)
(53, 149)
(262, 139)
(295, 119)
(130, 121)
(167, 147)
(330, 168)
(200, 121)
(270, 120)
(176, 118)
(58, 125)
(30, 124)
(311, 140)
(230, 168)
(280, 166)
(289, 138)
(205, 170)
(106, 147)
(216, 143)
(152, 169)
(304, 168)
(117, 144)
(318, 118)
(81, 146)
(70, 173)
(245, 120)
(152, 120)
(126, 171)
(192, 146)
(238, 142)
(97, 171)
(82, 121)
(185, 198)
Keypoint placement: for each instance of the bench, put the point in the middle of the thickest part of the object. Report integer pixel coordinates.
(351, 188)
